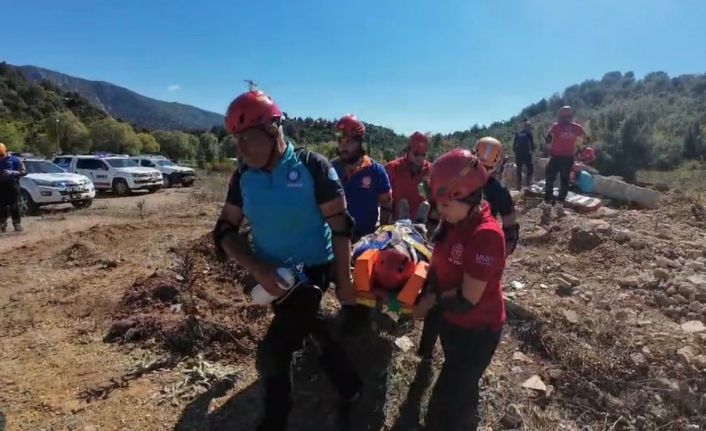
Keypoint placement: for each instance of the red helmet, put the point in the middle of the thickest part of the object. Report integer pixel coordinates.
(349, 125)
(419, 142)
(457, 174)
(251, 109)
(588, 155)
(392, 269)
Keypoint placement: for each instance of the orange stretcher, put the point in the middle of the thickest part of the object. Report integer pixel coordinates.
(401, 300)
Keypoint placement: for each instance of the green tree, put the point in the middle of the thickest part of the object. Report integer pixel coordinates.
(227, 147)
(13, 134)
(694, 143)
(115, 137)
(149, 144)
(208, 150)
(73, 136)
(175, 145)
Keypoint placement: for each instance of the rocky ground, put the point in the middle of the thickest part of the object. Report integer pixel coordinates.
(121, 318)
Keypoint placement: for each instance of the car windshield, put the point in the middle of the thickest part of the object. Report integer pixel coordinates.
(165, 163)
(42, 167)
(122, 163)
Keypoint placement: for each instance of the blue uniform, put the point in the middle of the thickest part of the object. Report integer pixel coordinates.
(282, 207)
(9, 163)
(363, 188)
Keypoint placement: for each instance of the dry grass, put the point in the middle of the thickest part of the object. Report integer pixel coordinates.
(210, 187)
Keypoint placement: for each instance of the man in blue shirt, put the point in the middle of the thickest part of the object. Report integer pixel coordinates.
(365, 181)
(295, 205)
(11, 169)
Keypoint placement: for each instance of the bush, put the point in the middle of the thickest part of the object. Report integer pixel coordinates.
(220, 166)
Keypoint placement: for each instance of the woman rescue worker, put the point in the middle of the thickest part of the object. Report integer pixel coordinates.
(466, 268)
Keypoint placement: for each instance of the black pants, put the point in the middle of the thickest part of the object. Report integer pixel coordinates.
(430, 332)
(522, 161)
(454, 401)
(558, 165)
(296, 319)
(9, 197)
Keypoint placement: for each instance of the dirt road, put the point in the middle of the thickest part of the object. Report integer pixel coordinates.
(115, 320)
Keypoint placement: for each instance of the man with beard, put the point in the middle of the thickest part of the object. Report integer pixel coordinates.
(365, 181)
(407, 173)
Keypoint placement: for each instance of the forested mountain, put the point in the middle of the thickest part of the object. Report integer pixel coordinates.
(139, 110)
(656, 122)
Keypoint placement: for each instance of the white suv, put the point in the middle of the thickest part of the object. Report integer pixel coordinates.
(113, 172)
(171, 172)
(48, 184)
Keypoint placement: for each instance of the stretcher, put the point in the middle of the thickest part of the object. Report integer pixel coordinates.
(403, 242)
(575, 201)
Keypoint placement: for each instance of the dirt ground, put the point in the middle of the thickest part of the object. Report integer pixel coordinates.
(120, 317)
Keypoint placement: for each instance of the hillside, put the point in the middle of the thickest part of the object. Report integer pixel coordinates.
(656, 122)
(141, 111)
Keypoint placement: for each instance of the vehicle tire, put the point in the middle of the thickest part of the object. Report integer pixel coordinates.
(187, 184)
(120, 187)
(154, 189)
(27, 205)
(166, 181)
(80, 205)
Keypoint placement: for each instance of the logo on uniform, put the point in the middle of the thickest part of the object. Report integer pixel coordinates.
(293, 177)
(484, 260)
(456, 255)
(366, 182)
(332, 174)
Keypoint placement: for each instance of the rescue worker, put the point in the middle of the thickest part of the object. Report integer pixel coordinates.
(586, 156)
(562, 139)
(523, 147)
(490, 153)
(295, 205)
(365, 181)
(467, 265)
(406, 174)
(11, 170)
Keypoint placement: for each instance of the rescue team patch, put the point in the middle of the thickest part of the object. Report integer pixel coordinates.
(293, 177)
(456, 255)
(332, 174)
(365, 182)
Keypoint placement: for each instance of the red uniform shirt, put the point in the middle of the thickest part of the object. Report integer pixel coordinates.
(478, 249)
(564, 137)
(405, 183)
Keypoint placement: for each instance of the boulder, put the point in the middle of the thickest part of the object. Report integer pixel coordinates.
(584, 238)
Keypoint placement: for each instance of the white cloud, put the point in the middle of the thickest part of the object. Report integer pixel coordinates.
(174, 87)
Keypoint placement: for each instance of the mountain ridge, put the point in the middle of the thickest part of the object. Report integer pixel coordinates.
(140, 110)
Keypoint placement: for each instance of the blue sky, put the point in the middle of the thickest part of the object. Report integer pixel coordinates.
(410, 65)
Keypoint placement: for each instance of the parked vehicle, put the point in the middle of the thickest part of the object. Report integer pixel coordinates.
(48, 184)
(171, 172)
(116, 173)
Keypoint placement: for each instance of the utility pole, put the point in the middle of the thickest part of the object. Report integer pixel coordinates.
(58, 146)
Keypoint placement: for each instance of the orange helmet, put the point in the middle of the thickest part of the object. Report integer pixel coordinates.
(490, 152)
(3, 150)
(456, 175)
(419, 142)
(392, 269)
